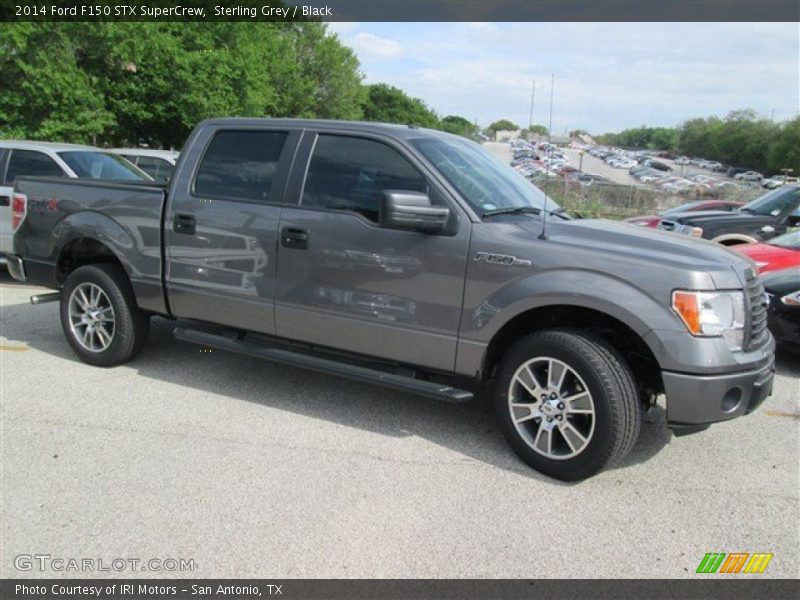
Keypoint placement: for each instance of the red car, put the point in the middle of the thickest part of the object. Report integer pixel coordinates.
(653, 220)
(781, 252)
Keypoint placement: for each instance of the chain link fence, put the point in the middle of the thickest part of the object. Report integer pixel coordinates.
(619, 201)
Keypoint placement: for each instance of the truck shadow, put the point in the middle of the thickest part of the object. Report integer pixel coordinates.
(468, 429)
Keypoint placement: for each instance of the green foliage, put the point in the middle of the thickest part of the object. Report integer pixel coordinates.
(538, 130)
(784, 152)
(388, 104)
(45, 95)
(741, 139)
(651, 138)
(501, 125)
(459, 126)
(151, 83)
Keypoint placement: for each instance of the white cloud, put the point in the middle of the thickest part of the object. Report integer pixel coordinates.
(609, 76)
(369, 46)
(342, 27)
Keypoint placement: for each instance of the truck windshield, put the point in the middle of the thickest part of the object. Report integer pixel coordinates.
(789, 240)
(773, 203)
(100, 165)
(482, 180)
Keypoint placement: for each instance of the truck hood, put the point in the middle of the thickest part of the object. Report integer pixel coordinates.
(718, 216)
(638, 250)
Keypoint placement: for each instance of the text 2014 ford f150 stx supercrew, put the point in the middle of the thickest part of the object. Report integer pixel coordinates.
(411, 259)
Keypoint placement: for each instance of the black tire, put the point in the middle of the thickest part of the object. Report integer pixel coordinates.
(617, 409)
(131, 326)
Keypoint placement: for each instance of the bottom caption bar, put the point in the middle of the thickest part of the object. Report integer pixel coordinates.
(399, 589)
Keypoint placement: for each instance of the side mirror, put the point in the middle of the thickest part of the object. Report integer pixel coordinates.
(412, 210)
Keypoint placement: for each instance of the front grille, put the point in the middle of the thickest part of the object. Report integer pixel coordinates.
(757, 303)
(667, 225)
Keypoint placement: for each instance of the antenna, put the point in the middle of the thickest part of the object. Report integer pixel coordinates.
(533, 95)
(543, 235)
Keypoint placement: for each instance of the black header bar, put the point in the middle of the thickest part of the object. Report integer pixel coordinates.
(403, 10)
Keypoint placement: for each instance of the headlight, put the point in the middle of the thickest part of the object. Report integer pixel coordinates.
(712, 314)
(792, 299)
(689, 230)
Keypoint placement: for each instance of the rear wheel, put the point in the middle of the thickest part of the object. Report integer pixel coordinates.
(99, 315)
(567, 403)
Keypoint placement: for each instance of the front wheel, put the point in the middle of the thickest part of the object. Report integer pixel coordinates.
(567, 403)
(100, 317)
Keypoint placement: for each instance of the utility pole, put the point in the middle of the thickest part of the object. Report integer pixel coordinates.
(533, 95)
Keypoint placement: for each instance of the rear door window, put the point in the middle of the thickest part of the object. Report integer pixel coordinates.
(240, 165)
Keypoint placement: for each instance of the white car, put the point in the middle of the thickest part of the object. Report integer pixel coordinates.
(779, 181)
(625, 163)
(19, 158)
(749, 176)
(159, 164)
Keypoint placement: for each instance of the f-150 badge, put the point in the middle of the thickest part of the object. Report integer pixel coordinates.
(501, 259)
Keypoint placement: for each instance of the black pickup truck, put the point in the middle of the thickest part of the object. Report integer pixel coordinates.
(757, 221)
(411, 259)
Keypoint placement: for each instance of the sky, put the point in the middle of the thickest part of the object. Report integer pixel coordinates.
(608, 76)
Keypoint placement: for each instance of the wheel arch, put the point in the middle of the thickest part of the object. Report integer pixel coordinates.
(734, 239)
(80, 251)
(628, 342)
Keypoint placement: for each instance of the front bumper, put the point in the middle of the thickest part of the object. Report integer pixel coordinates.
(15, 267)
(695, 400)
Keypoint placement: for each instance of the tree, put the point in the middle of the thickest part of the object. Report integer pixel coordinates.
(652, 138)
(501, 125)
(784, 152)
(317, 76)
(45, 94)
(151, 83)
(388, 104)
(459, 126)
(538, 130)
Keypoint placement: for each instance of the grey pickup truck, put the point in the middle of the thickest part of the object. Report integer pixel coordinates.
(411, 259)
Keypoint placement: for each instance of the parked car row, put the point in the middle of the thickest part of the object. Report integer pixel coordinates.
(779, 181)
(767, 230)
(541, 160)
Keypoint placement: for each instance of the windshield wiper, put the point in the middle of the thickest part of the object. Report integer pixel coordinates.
(512, 210)
(564, 212)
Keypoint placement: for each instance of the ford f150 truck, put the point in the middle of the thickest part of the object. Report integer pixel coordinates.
(411, 259)
(759, 220)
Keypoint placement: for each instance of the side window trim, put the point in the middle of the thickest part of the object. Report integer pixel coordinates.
(281, 174)
(4, 154)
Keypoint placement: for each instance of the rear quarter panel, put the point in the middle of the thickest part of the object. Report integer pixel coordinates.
(126, 218)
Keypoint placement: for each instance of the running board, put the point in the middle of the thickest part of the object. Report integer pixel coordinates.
(429, 389)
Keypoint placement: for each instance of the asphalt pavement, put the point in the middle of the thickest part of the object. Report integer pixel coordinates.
(248, 468)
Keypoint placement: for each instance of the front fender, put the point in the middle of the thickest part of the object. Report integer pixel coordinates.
(579, 288)
(569, 287)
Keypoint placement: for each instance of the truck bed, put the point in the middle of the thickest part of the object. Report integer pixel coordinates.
(124, 216)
